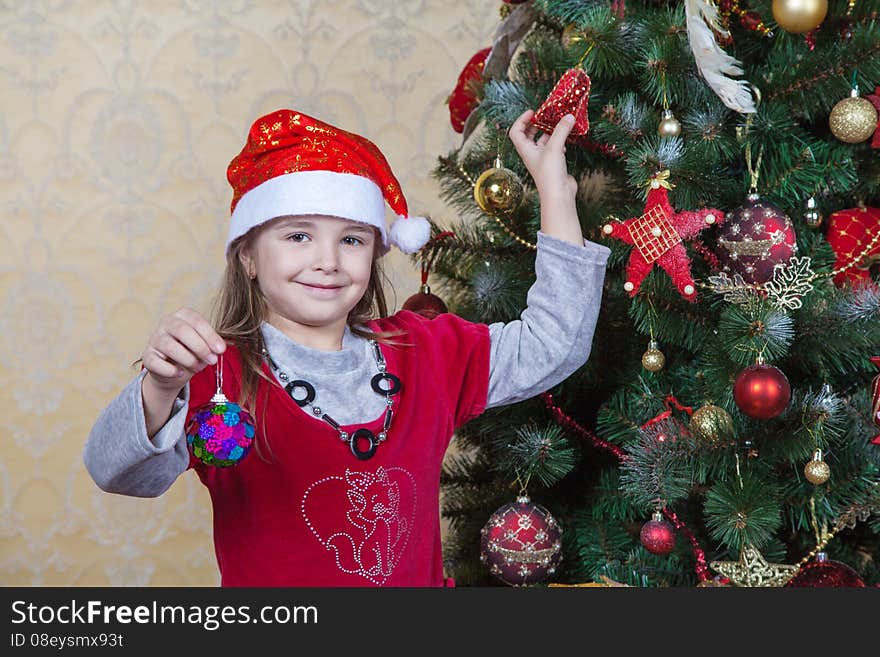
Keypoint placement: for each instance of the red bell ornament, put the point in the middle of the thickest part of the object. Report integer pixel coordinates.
(761, 391)
(570, 96)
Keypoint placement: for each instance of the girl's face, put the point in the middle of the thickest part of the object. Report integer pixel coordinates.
(312, 270)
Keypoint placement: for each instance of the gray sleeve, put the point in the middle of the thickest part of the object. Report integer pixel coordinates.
(554, 336)
(122, 459)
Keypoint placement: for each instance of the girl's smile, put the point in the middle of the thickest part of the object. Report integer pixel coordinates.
(312, 271)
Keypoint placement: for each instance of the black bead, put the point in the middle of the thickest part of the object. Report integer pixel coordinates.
(299, 383)
(396, 385)
(363, 434)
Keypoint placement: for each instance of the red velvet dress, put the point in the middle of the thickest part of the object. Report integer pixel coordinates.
(318, 516)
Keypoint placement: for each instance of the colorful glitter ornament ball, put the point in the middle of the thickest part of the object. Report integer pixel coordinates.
(220, 433)
(521, 543)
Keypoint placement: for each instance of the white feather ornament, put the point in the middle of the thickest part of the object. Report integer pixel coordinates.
(715, 64)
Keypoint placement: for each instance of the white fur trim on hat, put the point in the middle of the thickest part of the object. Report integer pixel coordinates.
(410, 234)
(343, 195)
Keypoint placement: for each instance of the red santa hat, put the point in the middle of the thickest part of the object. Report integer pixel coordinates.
(293, 164)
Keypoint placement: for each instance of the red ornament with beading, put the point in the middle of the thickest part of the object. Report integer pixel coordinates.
(756, 237)
(463, 98)
(657, 236)
(570, 96)
(854, 235)
(824, 572)
(521, 543)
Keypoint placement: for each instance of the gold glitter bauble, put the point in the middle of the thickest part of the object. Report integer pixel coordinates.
(653, 359)
(799, 16)
(817, 471)
(853, 120)
(712, 423)
(498, 191)
(669, 125)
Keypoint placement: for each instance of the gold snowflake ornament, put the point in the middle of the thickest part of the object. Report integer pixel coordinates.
(753, 570)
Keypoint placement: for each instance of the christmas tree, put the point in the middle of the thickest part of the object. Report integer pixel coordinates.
(723, 430)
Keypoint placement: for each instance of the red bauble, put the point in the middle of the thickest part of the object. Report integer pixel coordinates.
(521, 543)
(425, 303)
(657, 535)
(849, 233)
(756, 237)
(463, 98)
(761, 391)
(826, 573)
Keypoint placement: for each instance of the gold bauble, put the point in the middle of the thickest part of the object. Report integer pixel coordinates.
(853, 120)
(712, 423)
(498, 190)
(817, 471)
(799, 16)
(669, 125)
(653, 359)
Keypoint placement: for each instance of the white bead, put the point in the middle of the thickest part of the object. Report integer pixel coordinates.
(655, 184)
(710, 218)
(607, 229)
(688, 289)
(656, 232)
(628, 286)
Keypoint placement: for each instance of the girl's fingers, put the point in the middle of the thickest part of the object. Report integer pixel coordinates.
(157, 364)
(178, 354)
(543, 139)
(204, 329)
(189, 337)
(561, 131)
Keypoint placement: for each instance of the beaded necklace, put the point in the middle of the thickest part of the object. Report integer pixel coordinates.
(362, 434)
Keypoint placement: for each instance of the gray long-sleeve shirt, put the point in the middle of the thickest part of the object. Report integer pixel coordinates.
(552, 339)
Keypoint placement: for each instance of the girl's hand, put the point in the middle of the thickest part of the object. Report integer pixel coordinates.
(545, 159)
(183, 344)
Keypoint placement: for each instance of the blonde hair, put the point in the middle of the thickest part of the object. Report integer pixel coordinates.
(240, 308)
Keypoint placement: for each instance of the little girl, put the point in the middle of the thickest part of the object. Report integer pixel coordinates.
(353, 409)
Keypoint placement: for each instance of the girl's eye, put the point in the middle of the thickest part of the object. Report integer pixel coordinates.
(297, 237)
(351, 240)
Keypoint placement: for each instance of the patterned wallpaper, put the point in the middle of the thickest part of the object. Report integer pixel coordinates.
(117, 121)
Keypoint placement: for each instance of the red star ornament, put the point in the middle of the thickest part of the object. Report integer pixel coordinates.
(657, 236)
(875, 101)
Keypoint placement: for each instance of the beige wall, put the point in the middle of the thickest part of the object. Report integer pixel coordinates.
(117, 122)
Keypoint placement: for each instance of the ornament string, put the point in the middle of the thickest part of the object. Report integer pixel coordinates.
(584, 56)
(523, 485)
(567, 422)
(430, 253)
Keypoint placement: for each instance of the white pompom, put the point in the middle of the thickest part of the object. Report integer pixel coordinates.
(410, 234)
